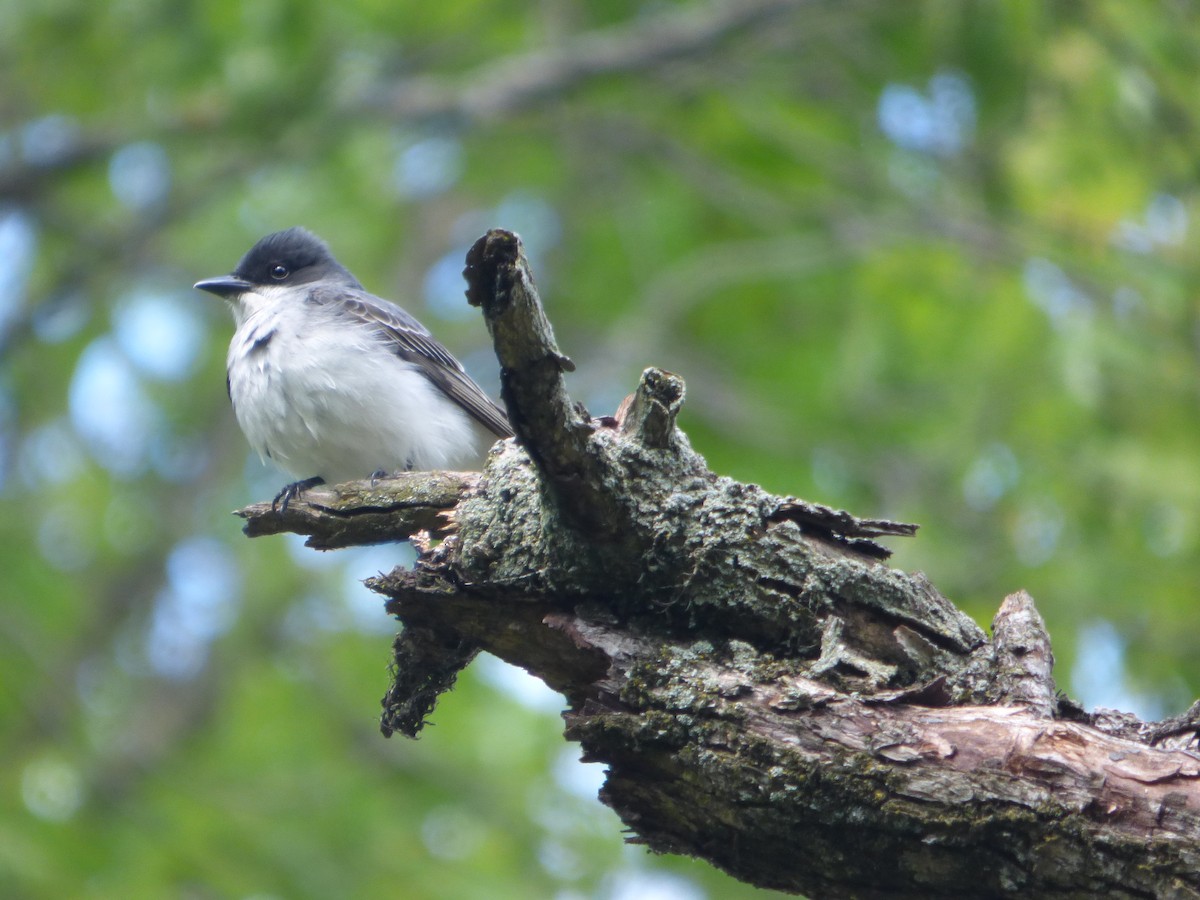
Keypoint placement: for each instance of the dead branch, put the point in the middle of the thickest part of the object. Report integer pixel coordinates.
(767, 693)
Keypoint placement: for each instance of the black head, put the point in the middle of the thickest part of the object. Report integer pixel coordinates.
(292, 257)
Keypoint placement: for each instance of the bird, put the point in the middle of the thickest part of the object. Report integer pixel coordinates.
(332, 383)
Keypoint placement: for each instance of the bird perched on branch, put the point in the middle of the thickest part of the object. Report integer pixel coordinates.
(333, 383)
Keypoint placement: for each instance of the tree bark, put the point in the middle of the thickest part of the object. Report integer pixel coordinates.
(768, 694)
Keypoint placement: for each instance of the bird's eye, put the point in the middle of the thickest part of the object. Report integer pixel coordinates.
(279, 272)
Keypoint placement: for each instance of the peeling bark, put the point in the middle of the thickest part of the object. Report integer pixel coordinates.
(767, 692)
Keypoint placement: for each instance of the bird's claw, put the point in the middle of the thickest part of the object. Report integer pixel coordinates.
(291, 491)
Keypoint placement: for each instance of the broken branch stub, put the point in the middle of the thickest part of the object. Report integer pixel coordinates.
(621, 514)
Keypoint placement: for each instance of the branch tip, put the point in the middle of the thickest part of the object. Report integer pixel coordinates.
(649, 414)
(493, 261)
(1025, 662)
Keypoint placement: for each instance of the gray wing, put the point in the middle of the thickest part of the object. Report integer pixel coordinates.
(412, 342)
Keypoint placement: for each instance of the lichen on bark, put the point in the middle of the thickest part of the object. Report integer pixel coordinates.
(766, 691)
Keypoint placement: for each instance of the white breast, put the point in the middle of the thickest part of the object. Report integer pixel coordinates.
(321, 394)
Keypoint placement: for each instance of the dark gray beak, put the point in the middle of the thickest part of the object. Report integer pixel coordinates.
(227, 286)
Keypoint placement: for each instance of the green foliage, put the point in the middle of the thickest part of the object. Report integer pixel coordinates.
(924, 260)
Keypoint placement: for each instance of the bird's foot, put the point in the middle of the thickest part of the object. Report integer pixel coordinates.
(291, 491)
(376, 475)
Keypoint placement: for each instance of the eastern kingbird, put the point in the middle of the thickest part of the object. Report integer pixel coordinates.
(333, 383)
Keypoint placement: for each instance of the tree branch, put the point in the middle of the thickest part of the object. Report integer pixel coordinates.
(502, 88)
(766, 692)
(359, 513)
